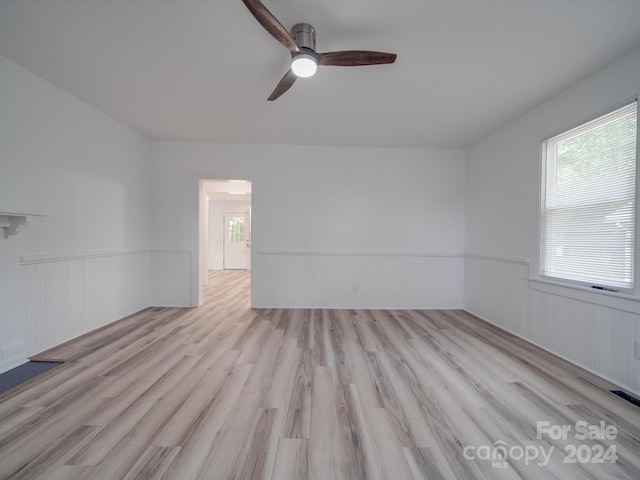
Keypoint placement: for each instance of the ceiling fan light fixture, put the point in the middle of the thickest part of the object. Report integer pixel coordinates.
(304, 65)
(301, 43)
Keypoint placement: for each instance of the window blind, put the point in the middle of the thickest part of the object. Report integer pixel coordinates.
(588, 207)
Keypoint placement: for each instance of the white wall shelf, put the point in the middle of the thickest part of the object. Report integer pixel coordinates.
(10, 222)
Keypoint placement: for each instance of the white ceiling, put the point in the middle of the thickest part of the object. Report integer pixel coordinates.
(202, 69)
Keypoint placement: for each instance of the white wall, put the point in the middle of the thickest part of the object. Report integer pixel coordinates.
(332, 227)
(87, 262)
(596, 331)
(217, 209)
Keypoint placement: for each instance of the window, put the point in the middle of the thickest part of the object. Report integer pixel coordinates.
(588, 207)
(236, 228)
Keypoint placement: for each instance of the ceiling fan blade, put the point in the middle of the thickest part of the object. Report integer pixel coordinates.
(283, 85)
(271, 24)
(354, 58)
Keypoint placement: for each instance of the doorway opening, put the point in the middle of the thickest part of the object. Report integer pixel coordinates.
(225, 228)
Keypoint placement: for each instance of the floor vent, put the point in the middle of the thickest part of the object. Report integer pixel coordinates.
(627, 397)
(24, 373)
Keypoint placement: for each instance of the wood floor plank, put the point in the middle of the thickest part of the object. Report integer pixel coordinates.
(424, 465)
(187, 418)
(253, 461)
(135, 417)
(25, 449)
(229, 392)
(325, 450)
(297, 421)
(68, 472)
(334, 445)
(227, 452)
(152, 464)
(197, 441)
(39, 464)
(371, 460)
(291, 460)
(392, 462)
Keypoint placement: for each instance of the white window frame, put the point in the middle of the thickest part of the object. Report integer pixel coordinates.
(543, 185)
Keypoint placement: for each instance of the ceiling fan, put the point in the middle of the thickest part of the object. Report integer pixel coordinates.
(301, 42)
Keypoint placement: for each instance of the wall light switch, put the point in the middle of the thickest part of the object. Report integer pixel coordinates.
(636, 350)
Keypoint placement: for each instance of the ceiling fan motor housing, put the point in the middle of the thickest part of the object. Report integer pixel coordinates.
(304, 35)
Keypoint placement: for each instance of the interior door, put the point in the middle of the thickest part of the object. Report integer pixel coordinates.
(236, 241)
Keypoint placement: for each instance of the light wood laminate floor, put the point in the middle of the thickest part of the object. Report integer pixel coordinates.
(229, 392)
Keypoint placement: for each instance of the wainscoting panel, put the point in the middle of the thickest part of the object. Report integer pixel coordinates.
(12, 350)
(171, 278)
(69, 295)
(373, 280)
(596, 337)
(496, 289)
(11, 355)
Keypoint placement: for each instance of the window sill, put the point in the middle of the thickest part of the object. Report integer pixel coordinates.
(618, 301)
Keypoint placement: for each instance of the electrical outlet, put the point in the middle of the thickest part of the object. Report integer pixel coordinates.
(354, 289)
(636, 350)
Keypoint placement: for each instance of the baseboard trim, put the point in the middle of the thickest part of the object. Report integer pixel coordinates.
(13, 362)
(45, 357)
(566, 359)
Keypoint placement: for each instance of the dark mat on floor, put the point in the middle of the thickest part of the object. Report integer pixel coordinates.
(628, 397)
(23, 373)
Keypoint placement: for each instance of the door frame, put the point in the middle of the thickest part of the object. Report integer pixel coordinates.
(198, 256)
